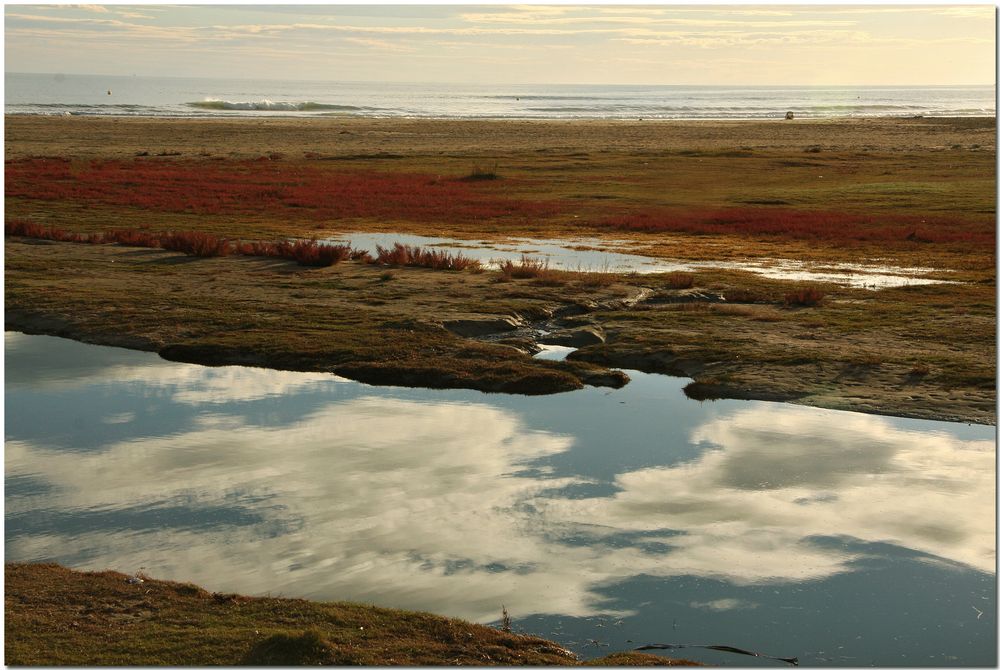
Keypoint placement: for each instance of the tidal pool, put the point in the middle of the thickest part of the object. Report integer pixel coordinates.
(596, 255)
(602, 519)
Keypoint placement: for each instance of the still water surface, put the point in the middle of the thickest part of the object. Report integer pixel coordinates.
(601, 519)
(595, 255)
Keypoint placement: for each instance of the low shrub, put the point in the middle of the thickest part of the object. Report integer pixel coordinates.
(804, 297)
(680, 280)
(482, 173)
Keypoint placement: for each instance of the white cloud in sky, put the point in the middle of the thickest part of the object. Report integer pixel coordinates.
(944, 44)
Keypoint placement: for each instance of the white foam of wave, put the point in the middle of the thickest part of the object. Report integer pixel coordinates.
(266, 105)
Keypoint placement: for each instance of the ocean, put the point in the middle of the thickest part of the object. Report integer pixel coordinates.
(57, 94)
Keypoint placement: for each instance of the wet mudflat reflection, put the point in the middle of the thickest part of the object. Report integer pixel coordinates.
(602, 519)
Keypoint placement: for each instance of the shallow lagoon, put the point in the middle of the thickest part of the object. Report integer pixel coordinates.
(600, 519)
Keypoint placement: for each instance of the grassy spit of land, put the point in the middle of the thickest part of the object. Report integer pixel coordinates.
(57, 616)
(912, 192)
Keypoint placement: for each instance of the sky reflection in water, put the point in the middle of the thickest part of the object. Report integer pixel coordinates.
(589, 254)
(631, 507)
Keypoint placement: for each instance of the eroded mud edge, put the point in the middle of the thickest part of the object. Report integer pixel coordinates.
(594, 365)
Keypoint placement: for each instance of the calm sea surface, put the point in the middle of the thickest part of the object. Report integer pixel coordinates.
(167, 96)
(601, 519)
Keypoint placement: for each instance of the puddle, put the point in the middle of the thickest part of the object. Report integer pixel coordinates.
(574, 254)
(596, 255)
(554, 352)
(854, 275)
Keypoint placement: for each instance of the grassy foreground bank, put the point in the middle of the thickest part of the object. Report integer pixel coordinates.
(57, 616)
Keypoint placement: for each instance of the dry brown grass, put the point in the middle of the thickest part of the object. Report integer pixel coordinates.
(55, 616)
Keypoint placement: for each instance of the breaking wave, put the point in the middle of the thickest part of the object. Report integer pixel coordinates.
(270, 106)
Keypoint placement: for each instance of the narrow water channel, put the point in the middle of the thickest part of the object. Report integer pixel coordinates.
(602, 519)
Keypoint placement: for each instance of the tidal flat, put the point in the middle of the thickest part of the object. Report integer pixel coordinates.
(884, 192)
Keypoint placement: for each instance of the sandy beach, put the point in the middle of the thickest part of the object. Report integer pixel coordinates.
(349, 136)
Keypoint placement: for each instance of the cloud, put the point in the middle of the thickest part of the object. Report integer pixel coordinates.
(743, 38)
(62, 368)
(725, 605)
(381, 45)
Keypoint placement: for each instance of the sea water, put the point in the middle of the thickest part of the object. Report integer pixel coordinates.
(194, 97)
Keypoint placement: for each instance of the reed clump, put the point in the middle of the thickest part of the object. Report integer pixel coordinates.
(405, 255)
(192, 243)
(526, 268)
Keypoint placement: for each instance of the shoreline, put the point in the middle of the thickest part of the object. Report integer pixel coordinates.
(292, 116)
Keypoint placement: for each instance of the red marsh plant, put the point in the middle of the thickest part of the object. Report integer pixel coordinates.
(304, 252)
(314, 254)
(25, 228)
(203, 245)
(272, 187)
(128, 238)
(401, 254)
(839, 227)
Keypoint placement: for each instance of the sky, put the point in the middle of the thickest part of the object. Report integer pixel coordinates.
(509, 44)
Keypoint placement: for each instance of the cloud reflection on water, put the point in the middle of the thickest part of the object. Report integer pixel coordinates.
(441, 505)
(778, 475)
